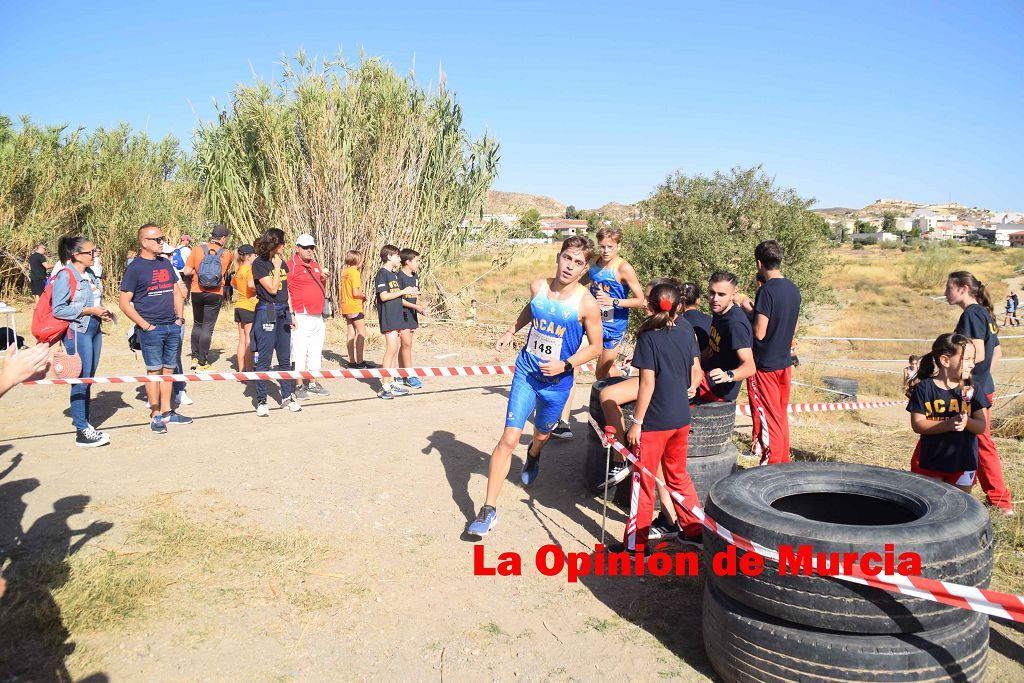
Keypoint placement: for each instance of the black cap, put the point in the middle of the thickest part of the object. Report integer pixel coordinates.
(219, 232)
(245, 250)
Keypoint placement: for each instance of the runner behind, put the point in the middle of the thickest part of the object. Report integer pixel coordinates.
(948, 417)
(661, 426)
(245, 306)
(729, 358)
(977, 324)
(409, 278)
(352, 299)
(776, 310)
(560, 312)
(390, 316)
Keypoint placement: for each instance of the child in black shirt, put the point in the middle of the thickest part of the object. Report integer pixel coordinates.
(390, 315)
(947, 415)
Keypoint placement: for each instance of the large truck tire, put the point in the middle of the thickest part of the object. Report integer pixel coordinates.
(845, 508)
(745, 646)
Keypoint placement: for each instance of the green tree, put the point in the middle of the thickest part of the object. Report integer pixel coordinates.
(695, 225)
(529, 223)
(889, 222)
(571, 213)
(864, 227)
(915, 232)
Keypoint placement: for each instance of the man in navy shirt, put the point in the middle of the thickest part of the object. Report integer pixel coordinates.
(729, 357)
(776, 309)
(151, 298)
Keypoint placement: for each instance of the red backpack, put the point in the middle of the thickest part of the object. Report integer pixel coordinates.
(46, 327)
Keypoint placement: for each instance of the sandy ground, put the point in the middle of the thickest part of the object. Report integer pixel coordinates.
(388, 487)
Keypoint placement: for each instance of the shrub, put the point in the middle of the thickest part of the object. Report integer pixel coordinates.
(929, 268)
(857, 246)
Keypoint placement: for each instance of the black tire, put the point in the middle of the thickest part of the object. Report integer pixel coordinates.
(843, 385)
(841, 507)
(711, 427)
(594, 462)
(745, 646)
(709, 470)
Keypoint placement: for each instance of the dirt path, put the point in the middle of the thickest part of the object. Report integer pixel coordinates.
(384, 490)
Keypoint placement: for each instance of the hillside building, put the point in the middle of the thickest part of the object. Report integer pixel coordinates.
(561, 228)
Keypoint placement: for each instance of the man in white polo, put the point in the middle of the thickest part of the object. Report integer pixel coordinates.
(307, 287)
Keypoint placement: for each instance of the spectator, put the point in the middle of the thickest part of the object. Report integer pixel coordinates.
(245, 307)
(390, 316)
(131, 255)
(179, 257)
(700, 320)
(776, 311)
(273, 323)
(97, 266)
(28, 365)
(84, 313)
(352, 299)
(1010, 319)
(38, 265)
(178, 389)
(409, 277)
(910, 372)
(729, 358)
(152, 300)
(207, 266)
(307, 286)
(471, 313)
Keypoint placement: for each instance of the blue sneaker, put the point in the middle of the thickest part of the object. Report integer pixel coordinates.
(484, 522)
(157, 424)
(173, 418)
(531, 468)
(413, 382)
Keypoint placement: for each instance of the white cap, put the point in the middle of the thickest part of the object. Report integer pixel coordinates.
(305, 240)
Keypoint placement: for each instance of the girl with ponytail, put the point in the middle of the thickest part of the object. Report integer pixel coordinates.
(665, 354)
(979, 326)
(948, 414)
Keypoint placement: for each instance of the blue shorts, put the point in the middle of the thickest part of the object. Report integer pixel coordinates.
(528, 393)
(613, 332)
(160, 346)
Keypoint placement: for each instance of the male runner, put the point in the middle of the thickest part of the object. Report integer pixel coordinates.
(560, 312)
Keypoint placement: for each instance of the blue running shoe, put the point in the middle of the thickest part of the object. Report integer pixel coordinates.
(173, 418)
(157, 424)
(413, 382)
(484, 522)
(531, 468)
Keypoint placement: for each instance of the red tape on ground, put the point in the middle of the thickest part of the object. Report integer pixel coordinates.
(1003, 605)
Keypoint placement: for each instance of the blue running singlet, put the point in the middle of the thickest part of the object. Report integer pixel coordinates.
(614, 319)
(556, 333)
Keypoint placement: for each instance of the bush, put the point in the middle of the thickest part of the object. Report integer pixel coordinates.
(857, 246)
(696, 225)
(929, 268)
(889, 245)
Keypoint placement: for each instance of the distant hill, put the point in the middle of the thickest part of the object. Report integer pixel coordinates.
(903, 208)
(618, 212)
(520, 202)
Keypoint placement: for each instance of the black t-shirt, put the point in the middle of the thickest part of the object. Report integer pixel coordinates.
(701, 323)
(976, 323)
(669, 352)
(729, 332)
(37, 270)
(778, 299)
(950, 451)
(389, 313)
(261, 267)
(411, 317)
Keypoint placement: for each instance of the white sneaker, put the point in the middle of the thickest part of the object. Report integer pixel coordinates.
(262, 410)
(292, 405)
(183, 398)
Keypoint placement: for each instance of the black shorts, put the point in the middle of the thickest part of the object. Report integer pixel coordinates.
(353, 317)
(38, 286)
(243, 316)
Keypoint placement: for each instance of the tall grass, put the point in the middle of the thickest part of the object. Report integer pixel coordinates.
(104, 184)
(353, 154)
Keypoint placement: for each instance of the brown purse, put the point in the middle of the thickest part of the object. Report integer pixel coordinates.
(66, 365)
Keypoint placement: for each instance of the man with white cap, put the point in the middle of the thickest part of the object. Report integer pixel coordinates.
(307, 287)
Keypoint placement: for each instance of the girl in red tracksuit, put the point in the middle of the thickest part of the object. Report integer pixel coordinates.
(948, 416)
(666, 351)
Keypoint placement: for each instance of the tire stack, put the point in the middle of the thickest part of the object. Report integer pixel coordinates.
(711, 456)
(813, 628)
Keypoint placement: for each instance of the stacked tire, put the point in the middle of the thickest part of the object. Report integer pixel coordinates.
(819, 628)
(710, 457)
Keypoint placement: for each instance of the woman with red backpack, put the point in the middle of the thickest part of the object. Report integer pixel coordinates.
(75, 297)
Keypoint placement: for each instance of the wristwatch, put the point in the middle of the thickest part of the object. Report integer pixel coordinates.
(568, 366)
(730, 375)
(181, 319)
(615, 302)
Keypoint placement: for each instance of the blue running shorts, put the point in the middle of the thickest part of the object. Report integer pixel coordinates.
(529, 393)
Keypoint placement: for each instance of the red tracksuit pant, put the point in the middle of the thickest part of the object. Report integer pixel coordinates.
(668, 448)
(768, 392)
(990, 470)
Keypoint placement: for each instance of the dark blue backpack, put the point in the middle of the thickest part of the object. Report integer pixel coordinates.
(210, 271)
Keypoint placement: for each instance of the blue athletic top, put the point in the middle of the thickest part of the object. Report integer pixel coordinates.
(606, 280)
(555, 332)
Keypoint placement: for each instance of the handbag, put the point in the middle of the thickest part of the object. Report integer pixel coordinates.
(66, 365)
(328, 307)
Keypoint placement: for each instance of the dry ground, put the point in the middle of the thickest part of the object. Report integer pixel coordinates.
(328, 544)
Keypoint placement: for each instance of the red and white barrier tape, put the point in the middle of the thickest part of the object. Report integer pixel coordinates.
(1003, 605)
(827, 407)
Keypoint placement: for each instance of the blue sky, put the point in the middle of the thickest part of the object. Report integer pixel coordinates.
(592, 102)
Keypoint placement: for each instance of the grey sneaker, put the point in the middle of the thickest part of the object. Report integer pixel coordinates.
(318, 389)
(398, 390)
(300, 393)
